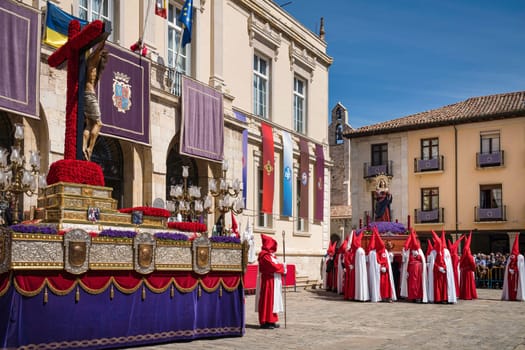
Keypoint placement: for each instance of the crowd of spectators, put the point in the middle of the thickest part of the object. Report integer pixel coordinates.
(489, 269)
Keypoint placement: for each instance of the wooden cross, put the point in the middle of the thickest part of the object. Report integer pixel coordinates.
(72, 51)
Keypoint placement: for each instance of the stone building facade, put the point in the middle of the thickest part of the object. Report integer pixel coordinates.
(228, 38)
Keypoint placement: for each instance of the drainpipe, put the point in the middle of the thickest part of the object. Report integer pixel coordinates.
(456, 176)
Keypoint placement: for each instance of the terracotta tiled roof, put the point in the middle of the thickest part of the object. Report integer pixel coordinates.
(474, 109)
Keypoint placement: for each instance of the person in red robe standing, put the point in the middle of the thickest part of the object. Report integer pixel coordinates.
(467, 266)
(416, 272)
(356, 280)
(269, 287)
(387, 289)
(453, 249)
(514, 278)
(440, 272)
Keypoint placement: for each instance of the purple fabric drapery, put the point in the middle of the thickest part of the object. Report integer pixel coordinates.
(202, 127)
(303, 176)
(19, 59)
(319, 183)
(123, 94)
(120, 321)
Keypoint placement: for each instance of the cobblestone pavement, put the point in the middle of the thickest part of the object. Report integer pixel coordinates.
(318, 319)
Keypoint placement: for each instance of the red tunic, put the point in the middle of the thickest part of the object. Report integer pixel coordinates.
(349, 288)
(440, 279)
(415, 276)
(267, 268)
(385, 287)
(467, 288)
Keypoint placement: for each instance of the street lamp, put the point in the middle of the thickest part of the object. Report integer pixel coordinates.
(15, 179)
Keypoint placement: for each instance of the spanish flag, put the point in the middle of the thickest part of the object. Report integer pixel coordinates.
(57, 22)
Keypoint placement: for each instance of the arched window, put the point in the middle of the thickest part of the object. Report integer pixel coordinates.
(108, 154)
(339, 134)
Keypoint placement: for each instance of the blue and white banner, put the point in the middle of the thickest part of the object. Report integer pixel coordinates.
(287, 174)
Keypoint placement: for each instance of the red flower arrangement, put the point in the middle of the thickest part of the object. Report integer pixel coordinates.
(149, 211)
(75, 171)
(188, 226)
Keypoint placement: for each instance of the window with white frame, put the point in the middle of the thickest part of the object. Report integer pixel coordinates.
(261, 78)
(91, 10)
(490, 142)
(299, 104)
(174, 34)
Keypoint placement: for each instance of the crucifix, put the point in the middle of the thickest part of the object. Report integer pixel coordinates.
(73, 51)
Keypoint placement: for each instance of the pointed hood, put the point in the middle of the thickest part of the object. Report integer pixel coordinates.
(372, 242)
(414, 242)
(466, 246)
(430, 248)
(356, 241)
(408, 242)
(516, 246)
(344, 245)
(437, 242)
(331, 248)
(268, 243)
(380, 244)
(443, 240)
(453, 247)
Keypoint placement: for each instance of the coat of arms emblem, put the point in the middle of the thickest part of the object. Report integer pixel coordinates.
(121, 92)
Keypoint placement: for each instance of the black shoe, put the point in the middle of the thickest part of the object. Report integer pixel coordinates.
(266, 326)
(275, 325)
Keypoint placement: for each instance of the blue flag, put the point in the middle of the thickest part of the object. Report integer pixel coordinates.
(287, 174)
(185, 18)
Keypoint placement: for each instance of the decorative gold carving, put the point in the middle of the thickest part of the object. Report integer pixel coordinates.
(144, 246)
(201, 255)
(145, 255)
(77, 245)
(4, 249)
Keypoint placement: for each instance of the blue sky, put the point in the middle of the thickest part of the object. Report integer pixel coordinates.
(393, 58)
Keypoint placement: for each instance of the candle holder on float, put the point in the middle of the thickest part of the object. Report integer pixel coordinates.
(227, 194)
(15, 179)
(187, 201)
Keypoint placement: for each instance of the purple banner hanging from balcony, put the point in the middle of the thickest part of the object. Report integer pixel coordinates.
(319, 183)
(20, 59)
(123, 93)
(202, 126)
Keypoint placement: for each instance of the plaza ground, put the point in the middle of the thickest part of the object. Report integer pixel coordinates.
(316, 319)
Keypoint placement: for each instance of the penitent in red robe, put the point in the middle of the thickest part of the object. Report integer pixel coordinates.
(467, 280)
(269, 266)
(415, 277)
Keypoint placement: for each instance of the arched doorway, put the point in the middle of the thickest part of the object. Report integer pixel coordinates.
(108, 154)
(6, 131)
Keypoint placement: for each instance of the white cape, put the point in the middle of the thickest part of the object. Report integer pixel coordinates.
(361, 278)
(403, 292)
(430, 279)
(520, 292)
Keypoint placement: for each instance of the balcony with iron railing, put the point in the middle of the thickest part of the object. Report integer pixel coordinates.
(429, 216)
(493, 159)
(427, 165)
(490, 214)
(166, 78)
(374, 170)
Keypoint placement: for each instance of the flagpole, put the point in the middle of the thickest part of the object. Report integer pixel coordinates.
(179, 46)
(144, 28)
(284, 284)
